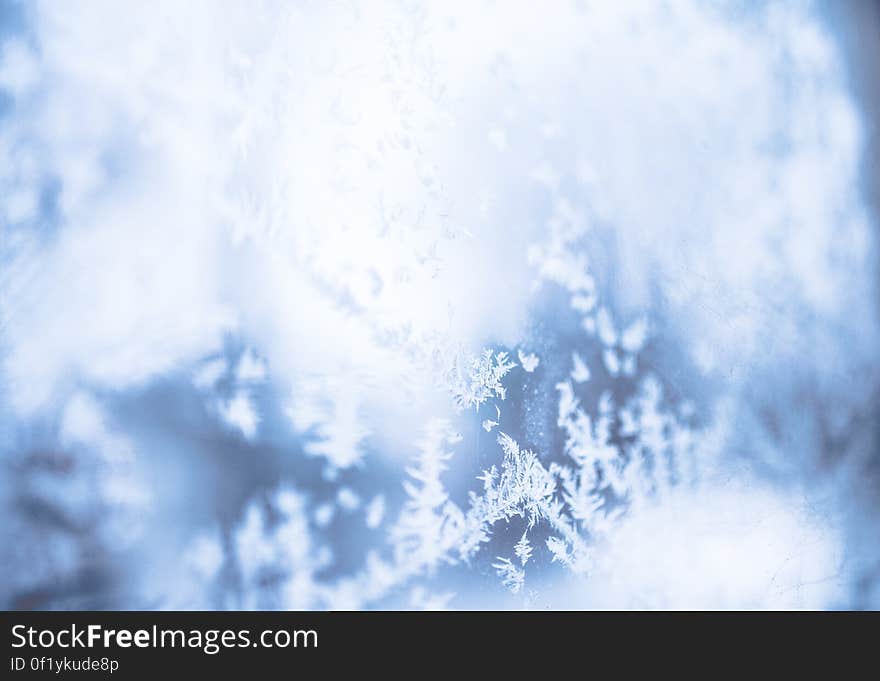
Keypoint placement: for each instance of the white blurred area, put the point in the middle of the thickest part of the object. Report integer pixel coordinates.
(738, 545)
(265, 169)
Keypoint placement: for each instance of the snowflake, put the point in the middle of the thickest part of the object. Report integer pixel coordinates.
(529, 362)
(480, 379)
(523, 549)
(511, 576)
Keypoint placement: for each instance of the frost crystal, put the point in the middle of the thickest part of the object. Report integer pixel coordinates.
(480, 379)
(511, 576)
(523, 549)
(529, 362)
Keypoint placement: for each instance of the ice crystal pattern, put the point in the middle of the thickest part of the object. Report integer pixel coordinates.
(399, 305)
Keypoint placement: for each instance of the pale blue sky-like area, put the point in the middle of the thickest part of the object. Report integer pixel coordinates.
(438, 305)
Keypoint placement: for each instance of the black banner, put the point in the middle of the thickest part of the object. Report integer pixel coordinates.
(146, 644)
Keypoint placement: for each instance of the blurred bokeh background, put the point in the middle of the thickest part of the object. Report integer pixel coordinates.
(274, 278)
